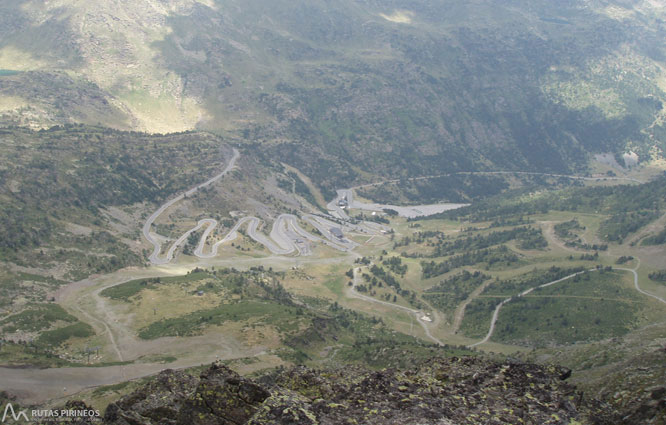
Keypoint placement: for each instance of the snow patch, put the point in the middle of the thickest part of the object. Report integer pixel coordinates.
(399, 16)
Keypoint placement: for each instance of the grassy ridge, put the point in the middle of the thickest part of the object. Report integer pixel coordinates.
(658, 239)
(525, 281)
(283, 317)
(536, 321)
(126, 290)
(480, 310)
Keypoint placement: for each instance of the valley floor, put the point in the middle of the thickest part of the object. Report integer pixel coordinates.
(405, 273)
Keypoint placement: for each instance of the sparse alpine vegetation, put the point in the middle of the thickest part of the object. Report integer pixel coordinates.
(57, 186)
(545, 118)
(403, 88)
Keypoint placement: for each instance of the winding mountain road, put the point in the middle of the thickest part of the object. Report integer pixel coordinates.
(157, 246)
(286, 236)
(493, 320)
(638, 288)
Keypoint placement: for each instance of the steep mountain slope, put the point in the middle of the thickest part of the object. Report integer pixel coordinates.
(71, 197)
(628, 372)
(411, 86)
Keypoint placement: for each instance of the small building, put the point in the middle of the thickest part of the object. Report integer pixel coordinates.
(337, 232)
(200, 293)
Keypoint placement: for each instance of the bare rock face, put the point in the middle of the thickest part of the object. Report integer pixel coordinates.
(646, 408)
(222, 397)
(441, 391)
(159, 402)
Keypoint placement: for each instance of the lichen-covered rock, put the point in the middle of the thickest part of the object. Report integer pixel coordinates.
(647, 408)
(316, 384)
(465, 390)
(285, 407)
(157, 403)
(222, 398)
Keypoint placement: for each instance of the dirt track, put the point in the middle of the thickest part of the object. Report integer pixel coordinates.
(418, 314)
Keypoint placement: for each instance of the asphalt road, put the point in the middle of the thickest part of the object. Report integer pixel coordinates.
(157, 246)
(286, 236)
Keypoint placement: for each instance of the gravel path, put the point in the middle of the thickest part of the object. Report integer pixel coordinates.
(493, 320)
(418, 314)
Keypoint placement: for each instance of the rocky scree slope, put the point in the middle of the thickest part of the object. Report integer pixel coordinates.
(440, 391)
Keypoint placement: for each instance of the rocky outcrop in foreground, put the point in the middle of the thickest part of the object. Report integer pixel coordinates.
(441, 391)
